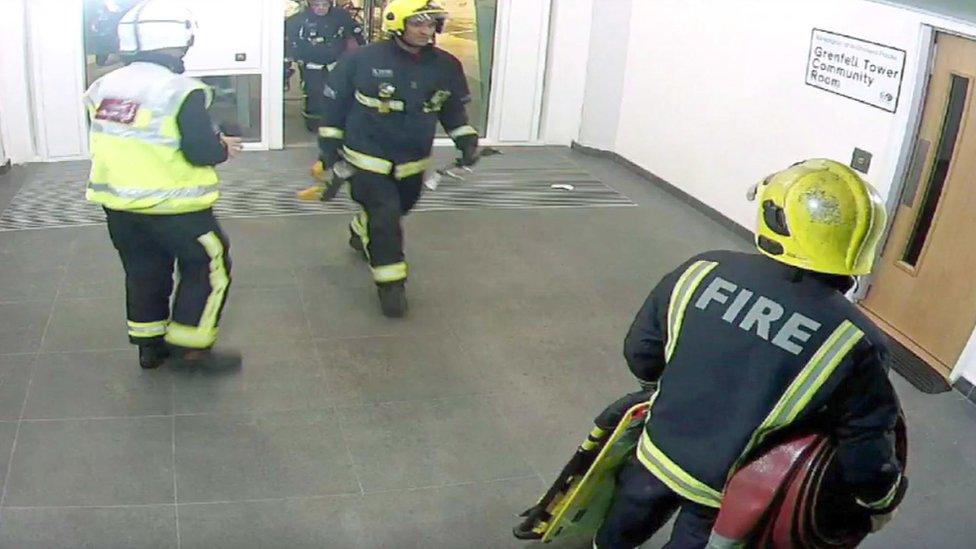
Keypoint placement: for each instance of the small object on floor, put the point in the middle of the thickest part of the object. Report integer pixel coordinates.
(393, 299)
(563, 186)
(152, 356)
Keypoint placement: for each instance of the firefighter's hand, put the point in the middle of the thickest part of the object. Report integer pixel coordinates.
(234, 145)
(469, 150)
(330, 157)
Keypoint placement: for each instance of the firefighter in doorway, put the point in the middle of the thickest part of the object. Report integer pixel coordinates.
(383, 103)
(318, 38)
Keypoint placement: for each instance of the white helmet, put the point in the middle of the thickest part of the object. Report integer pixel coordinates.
(155, 25)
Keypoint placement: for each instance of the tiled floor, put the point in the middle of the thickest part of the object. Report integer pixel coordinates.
(346, 429)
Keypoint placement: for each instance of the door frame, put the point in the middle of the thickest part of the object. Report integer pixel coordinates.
(927, 52)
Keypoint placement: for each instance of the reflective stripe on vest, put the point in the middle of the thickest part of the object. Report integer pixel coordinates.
(680, 297)
(806, 384)
(671, 474)
(135, 141)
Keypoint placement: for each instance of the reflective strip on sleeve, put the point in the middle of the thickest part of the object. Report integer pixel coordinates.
(885, 501)
(330, 132)
(680, 297)
(462, 131)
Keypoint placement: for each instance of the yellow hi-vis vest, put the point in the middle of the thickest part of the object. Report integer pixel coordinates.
(137, 164)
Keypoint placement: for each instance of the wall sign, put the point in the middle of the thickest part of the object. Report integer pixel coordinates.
(860, 70)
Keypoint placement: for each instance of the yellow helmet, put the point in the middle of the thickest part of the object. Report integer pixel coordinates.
(397, 12)
(821, 216)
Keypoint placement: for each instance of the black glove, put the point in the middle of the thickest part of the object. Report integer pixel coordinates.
(468, 145)
(329, 155)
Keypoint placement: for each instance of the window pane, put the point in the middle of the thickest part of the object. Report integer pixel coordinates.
(237, 104)
(933, 191)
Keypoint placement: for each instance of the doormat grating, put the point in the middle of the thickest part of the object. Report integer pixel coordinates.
(915, 370)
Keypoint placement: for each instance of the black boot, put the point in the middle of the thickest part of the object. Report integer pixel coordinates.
(393, 299)
(152, 355)
(356, 243)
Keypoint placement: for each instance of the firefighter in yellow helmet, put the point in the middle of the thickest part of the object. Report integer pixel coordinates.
(742, 346)
(153, 152)
(382, 105)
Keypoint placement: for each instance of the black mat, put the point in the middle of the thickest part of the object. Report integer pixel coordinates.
(915, 370)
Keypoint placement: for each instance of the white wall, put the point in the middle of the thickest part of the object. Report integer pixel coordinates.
(605, 73)
(714, 96)
(15, 121)
(57, 78)
(569, 41)
(519, 69)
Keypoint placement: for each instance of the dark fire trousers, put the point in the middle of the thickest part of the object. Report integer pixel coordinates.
(642, 504)
(385, 201)
(149, 246)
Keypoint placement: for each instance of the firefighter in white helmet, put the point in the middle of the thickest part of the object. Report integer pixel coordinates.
(154, 149)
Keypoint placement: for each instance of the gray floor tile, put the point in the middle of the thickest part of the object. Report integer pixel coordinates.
(382, 369)
(349, 275)
(106, 528)
(262, 277)
(430, 443)
(97, 384)
(276, 376)
(18, 284)
(93, 249)
(92, 462)
(565, 353)
(87, 324)
(334, 521)
(43, 250)
(15, 373)
(106, 280)
(8, 430)
(937, 520)
(272, 316)
(282, 242)
(472, 515)
(234, 457)
(22, 325)
(356, 312)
